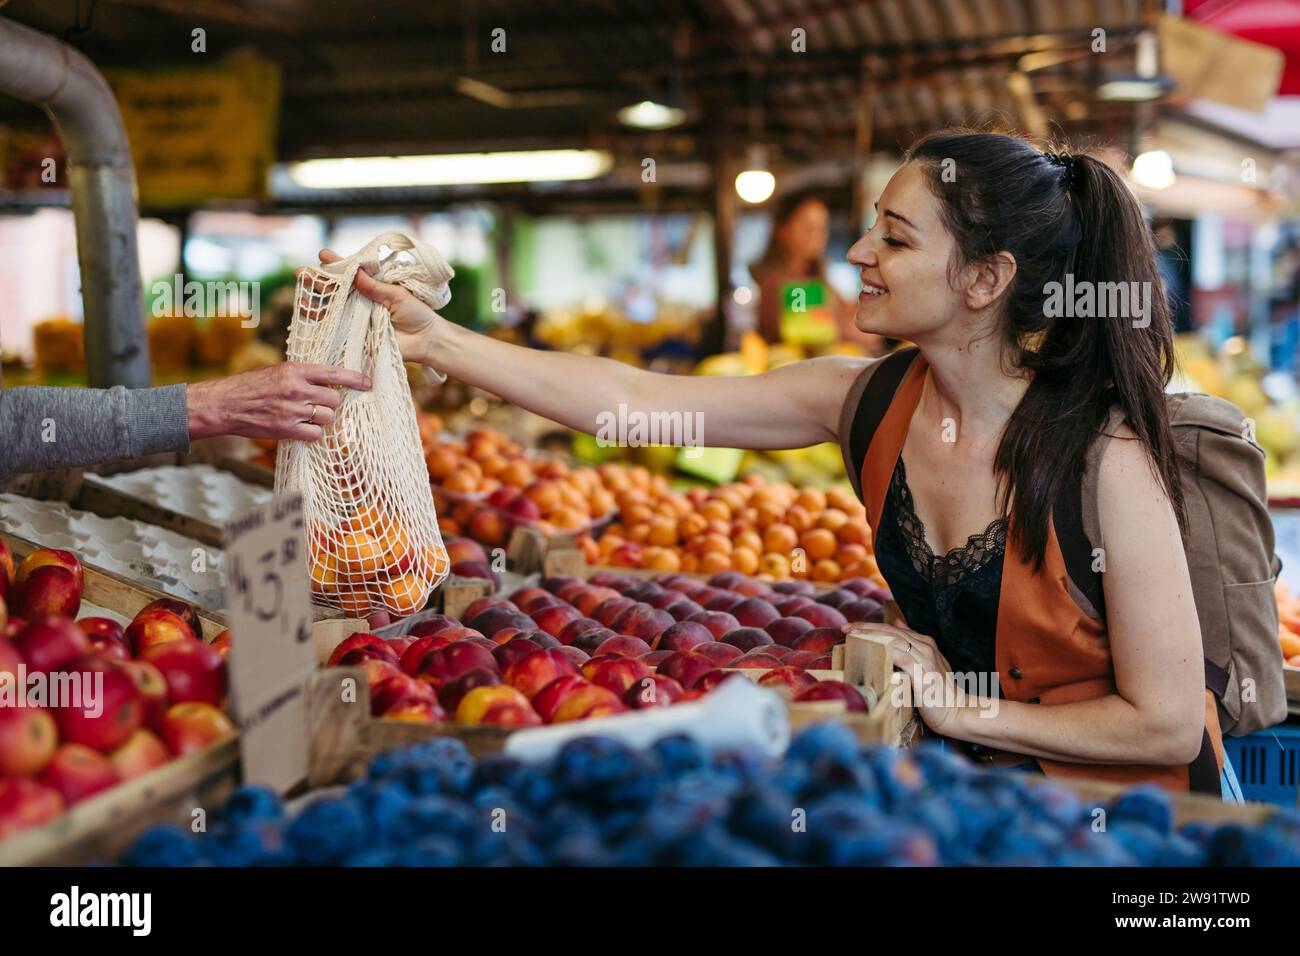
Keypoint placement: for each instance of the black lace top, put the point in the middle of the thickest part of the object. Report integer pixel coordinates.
(952, 597)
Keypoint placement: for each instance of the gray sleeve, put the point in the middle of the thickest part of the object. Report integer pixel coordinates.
(42, 428)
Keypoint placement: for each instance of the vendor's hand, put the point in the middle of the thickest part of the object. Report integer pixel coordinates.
(414, 322)
(282, 401)
(934, 692)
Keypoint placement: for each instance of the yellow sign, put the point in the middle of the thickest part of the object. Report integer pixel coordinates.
(201, 134)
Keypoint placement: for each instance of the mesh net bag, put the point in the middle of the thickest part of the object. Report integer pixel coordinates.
(372, 535)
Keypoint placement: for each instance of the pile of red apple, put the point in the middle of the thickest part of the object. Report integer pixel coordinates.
(158, 690)
(573, 649)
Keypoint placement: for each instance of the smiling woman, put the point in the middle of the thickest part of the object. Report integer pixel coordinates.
(1000, 413)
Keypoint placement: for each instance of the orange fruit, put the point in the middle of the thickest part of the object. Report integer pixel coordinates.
(441, 462)
(545, 493)
(639, 532)
(715, 510)
(663, 559)
(825, 570)
(818, 543)
(801, 519)
(744, 560)
(713, 542)
(601, 502)
(569, 519)
(854, 532)
(461, 481)
(750, 540)
(768, 513)
(663, 533)
(636, 514)
(324, 572)
(404, 595)
(780, 538)
(838, 497)
(516, 472)
(777, 565)
(691, 524)
(493, 464)
(812, 500)
(552, 468)
(608, 542)
(711, 562)
(832, 519)
(360, 553)
(355, 602)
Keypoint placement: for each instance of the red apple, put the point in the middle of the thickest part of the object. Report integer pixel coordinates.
(25, 803)
(182, 610)
(143, 751)
(49, 589)
(795, 678)
(719, 653)
(351, 642)
(44, 557)
(109, 708)
(193, 725)
(747, 638)
(193, 671)
(819, 615)
(152, 628)
(616, 673)
(447, 663)
(588, 701)
(686, 667)
(149, 682)
(718, 622)
(28, 739)
(550, 696)
(103, 627)
(656, 690)
(48, 643)
(538, 669)
(623, 645)
(819, 640)
(835, 690)
(77, 772)
(682, 636)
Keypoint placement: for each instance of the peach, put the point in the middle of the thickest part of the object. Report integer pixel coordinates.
(623, 645)
(553, 620)
(819, 615)
(863, 609)
(476, 702)
(481, 604)
(524, 596)
(786, 630)
(193, 725)
(608, 610)
(588, 641)
(644, 622)
(587, 701)
(835, 690)
(451, 693)
(588, 600)
(713, 678)
(416, 711)
(49, 589)
(553, 694)
(138, 754)
(495, 619)
(7, 568)
(747, 638)
(415, 652)
(819, 640)
(395, 689)
(754, 612)
(354, 641)
(118, 710)
(795, 678)
(654, 690)
(48, 643)
(464, 549)
(576, 628)
(793, 587)
(683, 609)
(757, 660)
(511, 714)
(717, 622)
(28, 739)
(682, 636)
(530, 674)
(616, 674)
(181, 609)
(45, 557)
(721, 654)
(794, 602)
(447, 663)
(77, 772)
(655, 658)
(686, 667)
(515, 650)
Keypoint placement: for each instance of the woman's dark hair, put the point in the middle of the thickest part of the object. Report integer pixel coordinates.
(1060, 215)
(782, 212)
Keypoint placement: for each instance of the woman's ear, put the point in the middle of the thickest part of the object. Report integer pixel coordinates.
(987, 279)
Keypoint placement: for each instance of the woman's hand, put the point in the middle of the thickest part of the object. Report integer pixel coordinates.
(291, 400)
(414, 322)
(934, 692)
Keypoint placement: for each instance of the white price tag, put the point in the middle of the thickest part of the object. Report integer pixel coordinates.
(272, 654)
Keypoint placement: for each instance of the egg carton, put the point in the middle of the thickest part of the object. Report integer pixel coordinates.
(202, 492)
(135, 550)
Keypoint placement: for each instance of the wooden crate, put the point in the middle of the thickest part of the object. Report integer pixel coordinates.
(102, 825)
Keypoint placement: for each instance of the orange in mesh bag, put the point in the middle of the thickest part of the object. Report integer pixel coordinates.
(372, 534)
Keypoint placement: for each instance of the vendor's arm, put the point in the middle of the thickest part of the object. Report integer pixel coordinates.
(790, 407)
(44, 428)
(1157, 713)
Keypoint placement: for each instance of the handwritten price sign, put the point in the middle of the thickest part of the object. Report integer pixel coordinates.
(272, 654)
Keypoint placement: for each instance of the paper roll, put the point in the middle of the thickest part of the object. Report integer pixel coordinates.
(737, 714)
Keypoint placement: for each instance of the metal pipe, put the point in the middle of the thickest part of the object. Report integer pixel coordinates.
(39, 69)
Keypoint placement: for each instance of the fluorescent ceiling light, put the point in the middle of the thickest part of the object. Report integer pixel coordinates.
(1154, 169)
(651, 115)
(452, 169)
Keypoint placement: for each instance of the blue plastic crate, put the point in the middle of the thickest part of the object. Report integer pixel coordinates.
(1267, 764)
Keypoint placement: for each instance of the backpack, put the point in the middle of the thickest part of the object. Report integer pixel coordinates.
(1229, 542)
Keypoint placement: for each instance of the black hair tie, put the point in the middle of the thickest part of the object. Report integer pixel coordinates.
(1066, 164)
